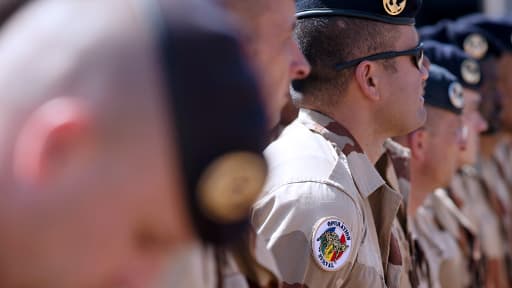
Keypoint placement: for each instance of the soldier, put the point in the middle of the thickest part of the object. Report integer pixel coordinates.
(498, 175)
(445, 203)
(434, 153)
(326, 213)
(483, 189)
(267, 29)
(496, 169)
(92, 193)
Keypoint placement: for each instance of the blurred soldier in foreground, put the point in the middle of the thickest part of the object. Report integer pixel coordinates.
(267, 29)
(326, 212)
(94, 144)
(434, 151)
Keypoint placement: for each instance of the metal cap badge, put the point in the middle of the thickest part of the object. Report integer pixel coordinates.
(456, 97)
(230, 185)
(393, 8)
(443, 90)
(470, 71)
(476, 46)
(397, 12)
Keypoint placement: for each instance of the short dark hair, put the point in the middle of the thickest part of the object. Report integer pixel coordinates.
(326, 41)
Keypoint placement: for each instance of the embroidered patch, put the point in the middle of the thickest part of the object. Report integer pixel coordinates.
(331, 243)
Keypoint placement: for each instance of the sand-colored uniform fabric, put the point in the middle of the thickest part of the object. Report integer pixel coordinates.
(203, 266)
(503, 159)
(467, 185)
(440, 248)
(450, 219)
(319, 171)
(396, 162)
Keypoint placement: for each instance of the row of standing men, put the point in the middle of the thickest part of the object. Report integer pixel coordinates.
(141, 133)
(392, 173)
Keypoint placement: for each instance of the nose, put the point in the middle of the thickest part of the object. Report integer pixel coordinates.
(482, 125)
(299, 67)
(463, 140)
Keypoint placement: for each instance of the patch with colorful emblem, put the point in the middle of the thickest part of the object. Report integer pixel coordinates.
(331, 243)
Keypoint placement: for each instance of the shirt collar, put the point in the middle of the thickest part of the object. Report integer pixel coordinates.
(366, 177)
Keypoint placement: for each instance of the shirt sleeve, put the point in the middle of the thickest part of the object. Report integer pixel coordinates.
(302, 224)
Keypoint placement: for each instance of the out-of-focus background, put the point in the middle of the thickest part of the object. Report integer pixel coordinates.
(434, 10)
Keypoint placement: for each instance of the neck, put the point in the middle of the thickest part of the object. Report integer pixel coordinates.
(488, 145)
(421, 187)
(363, 129)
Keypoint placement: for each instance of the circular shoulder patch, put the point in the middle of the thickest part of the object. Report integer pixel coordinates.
(331, 243)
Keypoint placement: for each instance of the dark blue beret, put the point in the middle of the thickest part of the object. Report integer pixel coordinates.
(499, 28)
(448, 56)
(443, 90)
(475, 41)
(400, 12)
(215, 106)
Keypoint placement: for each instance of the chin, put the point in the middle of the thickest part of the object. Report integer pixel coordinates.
(419, 121)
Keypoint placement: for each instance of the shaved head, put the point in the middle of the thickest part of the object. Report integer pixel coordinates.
(87, 162)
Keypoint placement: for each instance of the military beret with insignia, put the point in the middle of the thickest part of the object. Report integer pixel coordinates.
(475, 41)
(216, 111)
(443, 90)
(499, 28)
(399, 12)
(450, 57)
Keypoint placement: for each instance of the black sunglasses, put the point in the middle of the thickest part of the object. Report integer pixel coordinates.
(416, 52)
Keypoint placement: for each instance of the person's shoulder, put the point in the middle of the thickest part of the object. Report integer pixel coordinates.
(312, 229)
(301, 156)
(298, 143)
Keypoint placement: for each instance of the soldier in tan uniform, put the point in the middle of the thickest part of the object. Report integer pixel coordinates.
(395, 165)
(444, 202)
(266, 27)
(495, 169)
(434, 153)
(96, 148)
(480, 204)
(326, 214)
(501, 29)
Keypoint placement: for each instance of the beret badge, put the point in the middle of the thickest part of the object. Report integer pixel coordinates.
(476, 46)
(394, 8)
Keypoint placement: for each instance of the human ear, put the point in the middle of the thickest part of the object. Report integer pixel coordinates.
(49, 140)
(367, 77)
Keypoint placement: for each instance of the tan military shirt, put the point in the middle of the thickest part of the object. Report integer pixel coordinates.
(396, 162)
(439, 248)
(503, 155)
(326, 213)
(203, 266)
(451, 220)
(466, 185)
